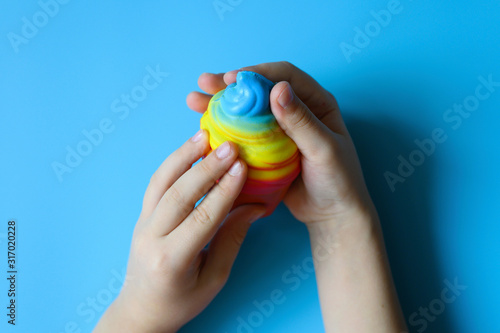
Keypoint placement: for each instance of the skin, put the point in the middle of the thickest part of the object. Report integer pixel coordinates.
(171, 277)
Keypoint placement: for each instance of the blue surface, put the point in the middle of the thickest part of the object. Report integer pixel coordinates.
(74, 231)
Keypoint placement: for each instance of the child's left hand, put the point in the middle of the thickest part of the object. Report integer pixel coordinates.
(171, 277)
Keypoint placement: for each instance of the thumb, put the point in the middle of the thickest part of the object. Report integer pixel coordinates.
(297, 121)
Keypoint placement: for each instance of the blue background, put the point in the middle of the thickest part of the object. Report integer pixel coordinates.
(74, 233)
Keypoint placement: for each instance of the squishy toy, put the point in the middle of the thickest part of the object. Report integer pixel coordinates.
(241, 113)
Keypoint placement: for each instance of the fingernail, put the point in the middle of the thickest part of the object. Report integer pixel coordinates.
(286, 96)
(197, 137)
(223, 150)
(235, 169)
(226, 79)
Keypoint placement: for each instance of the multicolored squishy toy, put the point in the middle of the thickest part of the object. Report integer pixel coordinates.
(241, 114)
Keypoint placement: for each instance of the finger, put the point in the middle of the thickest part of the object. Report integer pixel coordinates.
(320, 101)
(308, 89)
(298, 122)
(172, 168)
(202, 224)
(179, 200)
(211, 83)
(225, 245)
(198, 101)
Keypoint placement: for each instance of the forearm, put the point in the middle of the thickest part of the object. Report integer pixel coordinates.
(353, 275)
(113, 320)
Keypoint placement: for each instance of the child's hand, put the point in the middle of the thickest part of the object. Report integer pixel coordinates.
(170, 276)
(331, 197)
(331, 184)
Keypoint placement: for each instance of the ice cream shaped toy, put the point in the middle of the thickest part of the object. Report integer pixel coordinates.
(241, 113)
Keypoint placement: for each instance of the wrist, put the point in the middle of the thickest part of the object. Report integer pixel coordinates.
(355, 204)
(356, 214)
(347, 230)
(121, 316)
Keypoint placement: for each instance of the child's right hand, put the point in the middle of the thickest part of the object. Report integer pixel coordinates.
(331, 184)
